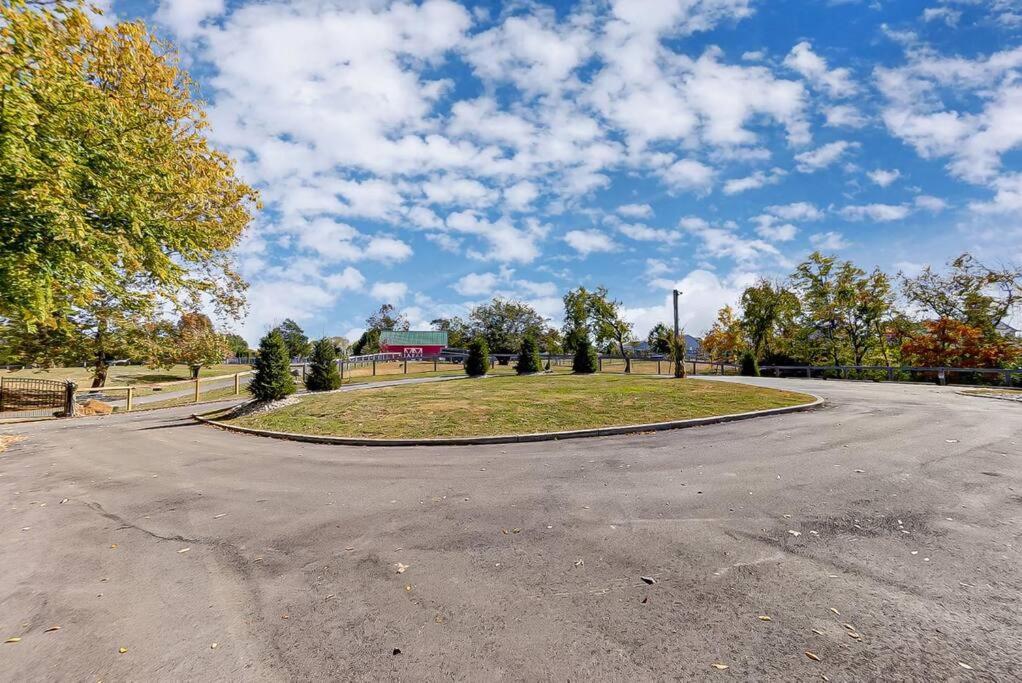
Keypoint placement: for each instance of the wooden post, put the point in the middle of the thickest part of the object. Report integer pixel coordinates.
(658, 366)
(69, 398)
(131, 395)
(406, 365)
(196, 396)
(374, 367)
(340, 364)
(600, 363)
(679, 352)
(237, 383)
(434, 363)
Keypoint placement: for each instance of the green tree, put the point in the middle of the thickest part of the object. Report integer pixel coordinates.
(238, 345)
(294, 339)
(608, 324)
(323, 374)
(750, 368)
(816, 282)
(528, 357)
(768, 317)
(585, 360)
(108, 187)
(386, 318)
(459, 332)
(659, 339)
(273, 379)
(504, 323)
(864, 302)
(576, 319)
(478, 361)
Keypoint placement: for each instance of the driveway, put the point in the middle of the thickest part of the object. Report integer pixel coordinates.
(881, 534)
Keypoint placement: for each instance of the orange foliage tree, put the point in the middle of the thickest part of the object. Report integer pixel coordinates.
(950, 343)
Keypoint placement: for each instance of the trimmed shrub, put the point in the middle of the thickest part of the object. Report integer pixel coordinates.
(585, 360)
(478, 361)
(323, 374)
(273, 379)
(750, 368)
(528, 357)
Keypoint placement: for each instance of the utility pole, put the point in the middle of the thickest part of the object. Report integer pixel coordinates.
(679, 353)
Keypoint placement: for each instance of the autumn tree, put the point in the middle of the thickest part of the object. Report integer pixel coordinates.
(725, 340)
(969, 292)
(951, 343)
(108, 186)
(197, 344)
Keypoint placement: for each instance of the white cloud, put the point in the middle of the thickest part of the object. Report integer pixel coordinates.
(883, 177)
(688, 174)
(930, 203)
(948, 15)
(635, 210)
(391, 292)
(586, 242)
(778, 232)
(641, 232)
(185, 17)
(876, 212)
(350, 278)
(387, 249)
(722, 241)
(1008, 197)
(755, 181)
(844, 116)
(476, 284)
(796, 211)
(828, 241)
(703, 293)
(822, 157)
(835, 82)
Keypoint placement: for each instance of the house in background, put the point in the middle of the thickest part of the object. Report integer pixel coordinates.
(413, 343)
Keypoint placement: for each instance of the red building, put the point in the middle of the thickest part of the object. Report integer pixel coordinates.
(413, 344)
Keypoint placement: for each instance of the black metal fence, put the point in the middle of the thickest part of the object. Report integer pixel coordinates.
(25, 397)
(1005, 377)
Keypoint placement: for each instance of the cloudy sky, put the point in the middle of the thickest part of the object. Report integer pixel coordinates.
(435, 154)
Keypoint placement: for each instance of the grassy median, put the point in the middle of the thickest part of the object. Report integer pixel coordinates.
(515, 405)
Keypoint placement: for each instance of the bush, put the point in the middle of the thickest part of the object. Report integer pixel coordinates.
(323, 375)
(273, 380)
(750, 368)
(478, 361)
(585, 361)
(528, 357)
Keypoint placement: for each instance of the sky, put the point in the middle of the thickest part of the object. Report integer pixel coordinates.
(436, 154)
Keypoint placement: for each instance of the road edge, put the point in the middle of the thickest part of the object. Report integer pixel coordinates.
(514, 438)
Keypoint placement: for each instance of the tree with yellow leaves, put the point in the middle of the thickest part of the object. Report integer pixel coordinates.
(110, 193)
(725, 341)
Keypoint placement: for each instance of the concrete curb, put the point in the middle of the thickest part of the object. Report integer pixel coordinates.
(515, 438)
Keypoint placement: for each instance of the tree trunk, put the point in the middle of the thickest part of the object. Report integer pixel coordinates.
(628, 360)
(99, 373)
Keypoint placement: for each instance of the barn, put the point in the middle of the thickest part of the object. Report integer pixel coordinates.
(413, 343)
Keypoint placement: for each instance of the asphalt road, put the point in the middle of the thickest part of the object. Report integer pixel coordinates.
(896, 510)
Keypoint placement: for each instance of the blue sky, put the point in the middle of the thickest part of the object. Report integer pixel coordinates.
(436, 154)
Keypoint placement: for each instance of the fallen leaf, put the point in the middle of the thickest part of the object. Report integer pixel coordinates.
(396, 651)
(113, 545)
(516, 530)
(222, 514)
(504, 531)
(52, 629)
(764, 617)
(122, 650)
(860, 471)
(719, 666)
(951, 440)
(401, 568)
(818, 632)
(580, 562)
(648, 579)
(63, 501)
(834, 611)
(853, 634)
(813, 656)
(794, 533)
(645, 600)
(965, 666)
(849, 627)
(408, 588)
(184, 550)
(350, 548)
(13, 640)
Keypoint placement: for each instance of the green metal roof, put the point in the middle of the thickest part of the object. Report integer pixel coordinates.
(413, 338)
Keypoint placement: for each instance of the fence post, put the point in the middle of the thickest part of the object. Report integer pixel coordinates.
(128, 402)
(406, 365)
(941, 377)
(1, 394)
(658, 366)
(374, 367)
(1007, 378)
(434, 363)
(809, 372)
(196, 395)
(340, 364)
(237, 383)
(600, 363)
(69, 398)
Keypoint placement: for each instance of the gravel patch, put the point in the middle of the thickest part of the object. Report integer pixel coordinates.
(257, 407)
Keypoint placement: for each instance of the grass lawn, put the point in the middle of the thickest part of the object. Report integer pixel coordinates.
(514, 405)
(124, 375)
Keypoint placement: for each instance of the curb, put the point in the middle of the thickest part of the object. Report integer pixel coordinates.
(514, 438)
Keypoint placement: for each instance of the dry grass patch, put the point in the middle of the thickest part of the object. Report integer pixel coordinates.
(8, 439)
(516, 405)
